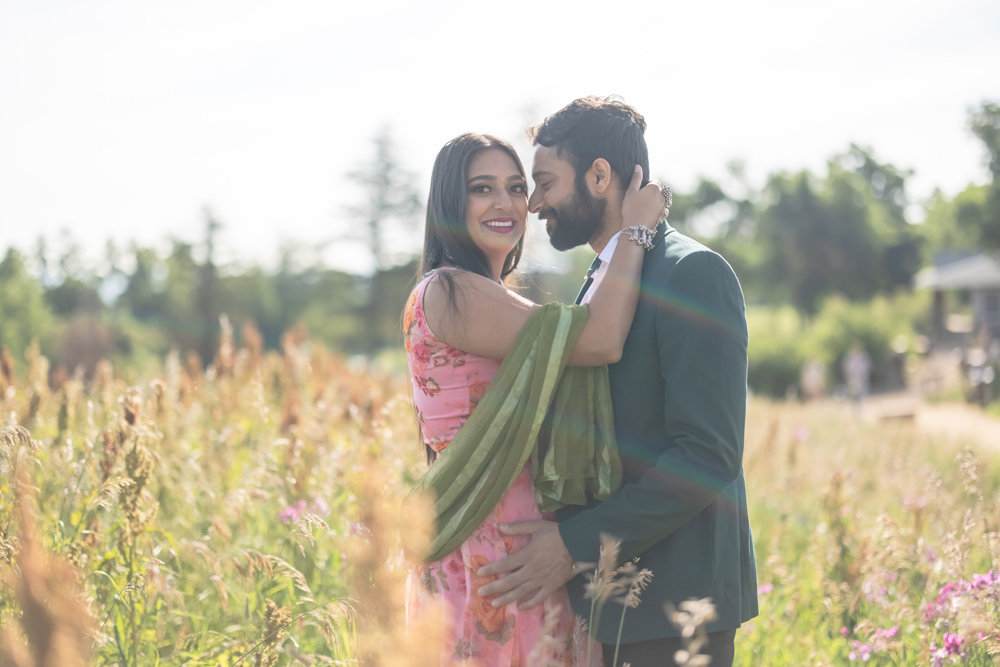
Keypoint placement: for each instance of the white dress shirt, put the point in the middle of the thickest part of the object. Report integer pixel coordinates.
(605, 258)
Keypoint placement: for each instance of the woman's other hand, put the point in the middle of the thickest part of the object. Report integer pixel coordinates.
(642, 205)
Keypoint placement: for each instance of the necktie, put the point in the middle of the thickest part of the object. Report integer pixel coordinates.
(590, 279)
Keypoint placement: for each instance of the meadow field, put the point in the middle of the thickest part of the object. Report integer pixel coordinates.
(250, 514)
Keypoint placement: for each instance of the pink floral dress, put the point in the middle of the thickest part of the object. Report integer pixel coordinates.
(447, 385)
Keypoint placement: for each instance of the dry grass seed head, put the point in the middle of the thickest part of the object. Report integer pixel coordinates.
(636, 586)
(969, 468)
(220, 589)
(275, 618)
(602, 585)
(302, 530)
(55, 620)
(14, 440)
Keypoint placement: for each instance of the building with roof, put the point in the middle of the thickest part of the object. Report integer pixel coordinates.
(979, 275)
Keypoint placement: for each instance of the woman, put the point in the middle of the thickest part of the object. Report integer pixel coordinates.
(460, 321)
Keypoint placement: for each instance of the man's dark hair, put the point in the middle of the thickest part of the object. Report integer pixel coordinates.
(596, 127)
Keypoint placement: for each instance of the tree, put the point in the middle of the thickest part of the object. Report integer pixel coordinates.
(208, 306)
(985, 124)
(391, 207)
(970, 222)
(391, 202)
(142, 297)
(900, 242)
(24, 316)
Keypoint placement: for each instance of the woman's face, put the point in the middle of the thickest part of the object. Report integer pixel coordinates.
(496, 204)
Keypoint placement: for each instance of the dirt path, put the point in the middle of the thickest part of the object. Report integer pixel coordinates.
(954, 420)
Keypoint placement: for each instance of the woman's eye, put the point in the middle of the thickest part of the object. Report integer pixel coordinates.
(520, 189)
(480, 189)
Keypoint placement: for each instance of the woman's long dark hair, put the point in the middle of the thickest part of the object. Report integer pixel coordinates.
(446, 236)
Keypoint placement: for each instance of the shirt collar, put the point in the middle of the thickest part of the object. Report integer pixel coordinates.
(609, 250)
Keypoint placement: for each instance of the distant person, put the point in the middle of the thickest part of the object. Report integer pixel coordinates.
(813, 380)
(460, 321)
(857, 366)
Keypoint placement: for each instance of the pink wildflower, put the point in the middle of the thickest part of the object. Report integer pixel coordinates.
(952, 644)
(860, 651)
(764, 589)
(981, 581)
(292, 513)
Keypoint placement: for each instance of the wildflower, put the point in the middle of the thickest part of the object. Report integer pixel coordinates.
(874, 592)
(843, 631)
(952, 644)
(764, 589)
(292, 513)
(860, 651)
(801, 433)
(981, 581)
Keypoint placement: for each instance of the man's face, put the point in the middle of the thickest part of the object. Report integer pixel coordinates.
(572, 215)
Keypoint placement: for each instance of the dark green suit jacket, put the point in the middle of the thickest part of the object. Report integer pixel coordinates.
(679, 399)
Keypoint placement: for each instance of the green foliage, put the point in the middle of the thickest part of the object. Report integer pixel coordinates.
(24, 315)
(956, 224)
(781, 341)
(844, 235)
(776, 351)
(804, 237)
(971, 220)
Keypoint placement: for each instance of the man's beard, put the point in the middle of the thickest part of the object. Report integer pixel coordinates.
(576, 222)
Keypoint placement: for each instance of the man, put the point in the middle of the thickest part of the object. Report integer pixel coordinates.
(679, 399)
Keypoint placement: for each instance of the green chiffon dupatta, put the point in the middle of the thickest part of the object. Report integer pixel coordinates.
(536, 408)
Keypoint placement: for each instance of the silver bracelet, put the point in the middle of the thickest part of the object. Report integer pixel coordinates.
(641, 235)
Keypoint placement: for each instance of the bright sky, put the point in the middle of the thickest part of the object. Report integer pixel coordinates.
(123, 120)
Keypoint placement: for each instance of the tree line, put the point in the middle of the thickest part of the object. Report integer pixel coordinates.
(799, 239)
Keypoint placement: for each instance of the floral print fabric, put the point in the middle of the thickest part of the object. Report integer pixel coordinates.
(447, 385)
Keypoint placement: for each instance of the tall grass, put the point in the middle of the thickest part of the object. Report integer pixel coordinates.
(875, 542)
(251, 513)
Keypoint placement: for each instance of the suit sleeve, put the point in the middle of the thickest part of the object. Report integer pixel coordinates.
(702, 342)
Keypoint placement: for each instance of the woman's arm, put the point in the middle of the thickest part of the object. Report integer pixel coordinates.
(487, 317)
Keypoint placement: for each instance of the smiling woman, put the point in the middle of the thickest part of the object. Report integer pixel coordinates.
(497, 205)
(459, 323)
